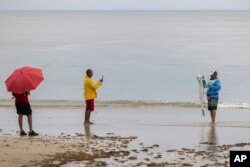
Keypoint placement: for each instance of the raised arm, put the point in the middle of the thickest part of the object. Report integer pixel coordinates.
(90, 84)
(205, 85)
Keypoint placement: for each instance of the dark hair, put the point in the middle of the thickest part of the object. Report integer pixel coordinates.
(215, 73)
(88, 71)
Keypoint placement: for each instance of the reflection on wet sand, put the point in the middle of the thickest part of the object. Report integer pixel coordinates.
(212, 139)
(87, 132)
(212, 136)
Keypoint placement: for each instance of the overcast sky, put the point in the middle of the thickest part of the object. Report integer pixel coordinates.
(124, 4)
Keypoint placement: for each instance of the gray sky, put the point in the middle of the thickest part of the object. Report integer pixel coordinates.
(124, 4)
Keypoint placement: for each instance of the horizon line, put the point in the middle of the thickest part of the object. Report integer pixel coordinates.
(134, 10)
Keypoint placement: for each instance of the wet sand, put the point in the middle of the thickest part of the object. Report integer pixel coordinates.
(138, 136)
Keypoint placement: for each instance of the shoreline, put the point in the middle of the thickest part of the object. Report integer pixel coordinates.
(5, 103)
(134, 136)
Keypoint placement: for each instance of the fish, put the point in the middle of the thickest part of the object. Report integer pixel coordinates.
(201, 93)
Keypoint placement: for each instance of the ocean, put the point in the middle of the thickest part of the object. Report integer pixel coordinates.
(146, 57)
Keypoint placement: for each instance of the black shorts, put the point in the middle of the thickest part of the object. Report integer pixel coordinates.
(23, 108)
(212, 104)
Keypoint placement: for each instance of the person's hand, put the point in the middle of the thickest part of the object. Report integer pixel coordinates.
(101, 80)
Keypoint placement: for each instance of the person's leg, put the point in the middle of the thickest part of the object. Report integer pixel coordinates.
(213, 115)
(87, 116)
(20, 122)
(214, 103)
(31, 132)
(91, 108)
(30, 122)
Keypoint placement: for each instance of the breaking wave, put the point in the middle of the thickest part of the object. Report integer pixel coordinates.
(120, 103)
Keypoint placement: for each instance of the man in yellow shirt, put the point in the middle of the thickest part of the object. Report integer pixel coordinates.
(90, 94)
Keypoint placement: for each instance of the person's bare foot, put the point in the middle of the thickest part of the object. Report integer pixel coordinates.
(212, 124)
(88, 123)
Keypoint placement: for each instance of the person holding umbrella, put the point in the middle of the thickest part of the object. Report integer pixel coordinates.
(23, 108)
(90, 94)
(20, 83)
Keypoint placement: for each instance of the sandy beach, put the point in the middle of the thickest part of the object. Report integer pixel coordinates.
(147, 113)
(124, 136)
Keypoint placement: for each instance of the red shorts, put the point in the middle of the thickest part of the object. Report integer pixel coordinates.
(90, 104)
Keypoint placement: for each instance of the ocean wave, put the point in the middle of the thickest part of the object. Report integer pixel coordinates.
(120, 103)
(138, 103)
(234, 105)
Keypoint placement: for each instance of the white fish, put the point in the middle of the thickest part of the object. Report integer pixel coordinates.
(201, 93)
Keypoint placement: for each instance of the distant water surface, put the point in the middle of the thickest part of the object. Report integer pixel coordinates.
(149, 56)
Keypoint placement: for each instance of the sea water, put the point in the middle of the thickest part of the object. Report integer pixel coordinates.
(146, 56)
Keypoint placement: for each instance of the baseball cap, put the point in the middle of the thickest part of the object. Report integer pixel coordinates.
(213, 72)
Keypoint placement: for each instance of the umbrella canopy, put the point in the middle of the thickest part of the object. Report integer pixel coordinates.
(24, 79)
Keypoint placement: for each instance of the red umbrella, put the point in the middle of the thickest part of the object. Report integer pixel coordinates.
(24, 79)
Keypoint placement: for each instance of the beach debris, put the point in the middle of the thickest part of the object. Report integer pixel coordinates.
(187, 164)
(188, 150)
(109, 133)
(112, 150)
(7, 134)
(139, 164)
(155, 164)
(170, 150)
(144, 150)
(79, 134)
(96, 163)
(90, 150)
(208, 143)
(135, 151)
(132, 158)
(158, 156)
(156, 145)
